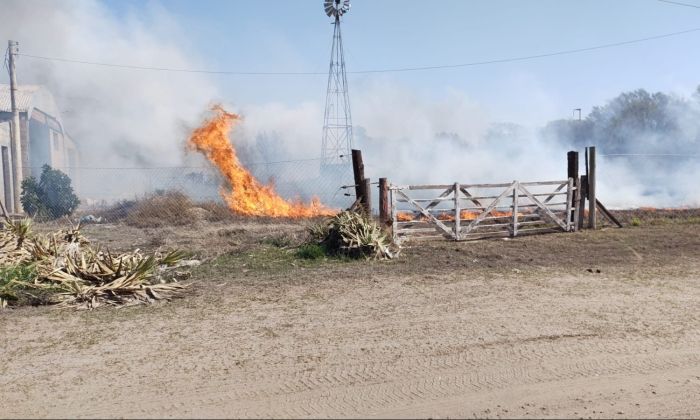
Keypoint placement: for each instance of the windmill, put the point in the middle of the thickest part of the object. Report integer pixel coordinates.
(337, 120)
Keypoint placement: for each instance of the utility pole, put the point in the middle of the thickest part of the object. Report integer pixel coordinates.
(15, 145)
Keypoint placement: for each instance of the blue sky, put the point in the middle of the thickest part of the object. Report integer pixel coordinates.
(284, 35)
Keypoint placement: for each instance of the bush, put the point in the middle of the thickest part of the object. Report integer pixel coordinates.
(51, 197)
(311, 252)
(353, 235)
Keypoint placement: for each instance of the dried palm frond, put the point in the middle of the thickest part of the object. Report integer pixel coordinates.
(87, 277)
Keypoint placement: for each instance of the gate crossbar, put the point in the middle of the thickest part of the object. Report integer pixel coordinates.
(515, 190)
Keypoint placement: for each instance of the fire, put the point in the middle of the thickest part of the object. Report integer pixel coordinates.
(447, 217)
(247, 196)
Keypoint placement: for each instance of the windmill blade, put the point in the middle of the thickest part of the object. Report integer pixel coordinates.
(329, 7)
(345, 7)
(335, 8)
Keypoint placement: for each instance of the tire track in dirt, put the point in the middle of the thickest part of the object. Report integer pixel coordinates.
(367, 387)
(399, 393)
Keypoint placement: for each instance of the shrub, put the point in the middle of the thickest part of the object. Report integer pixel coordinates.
(353, 235)
(636, 221)
(51, 197)
(311, 252)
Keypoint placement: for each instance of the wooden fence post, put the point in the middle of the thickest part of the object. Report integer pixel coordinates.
(384, 212)
(358, 170)
(572, 172)
(582, 201)
(367, 196)
(591, 189)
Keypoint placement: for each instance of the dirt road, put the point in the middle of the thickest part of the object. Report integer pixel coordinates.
(523, 328)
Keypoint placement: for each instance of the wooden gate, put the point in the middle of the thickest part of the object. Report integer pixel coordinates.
(464, 212)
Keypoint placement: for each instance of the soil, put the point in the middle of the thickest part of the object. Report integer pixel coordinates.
(590, 324)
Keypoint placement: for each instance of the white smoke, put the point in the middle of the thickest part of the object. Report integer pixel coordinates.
(142, 118)
(119, 117)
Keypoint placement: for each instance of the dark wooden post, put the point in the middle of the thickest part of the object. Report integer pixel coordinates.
(591, 188)
(572, 172)
(367, 196)
(358, 170)
(582, 201)
(384, 211)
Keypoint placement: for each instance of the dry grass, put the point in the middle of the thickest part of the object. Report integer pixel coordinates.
(167, 208)
(653, 216)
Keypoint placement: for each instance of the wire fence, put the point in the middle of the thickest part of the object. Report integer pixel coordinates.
(145, 195)
(659, 191)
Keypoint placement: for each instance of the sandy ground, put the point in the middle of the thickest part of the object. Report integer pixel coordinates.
(601, 325)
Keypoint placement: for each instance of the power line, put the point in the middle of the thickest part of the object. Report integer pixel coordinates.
(651, 155)
(388, 70)
(677, 3)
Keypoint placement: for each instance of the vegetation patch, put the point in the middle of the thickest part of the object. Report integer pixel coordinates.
(64, 268)
(351, 234)
(311, 251)
(51, 197)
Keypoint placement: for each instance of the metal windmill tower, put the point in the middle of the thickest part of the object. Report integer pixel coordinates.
(337, 120)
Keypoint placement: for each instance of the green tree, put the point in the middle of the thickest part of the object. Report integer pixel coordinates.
(51, 197)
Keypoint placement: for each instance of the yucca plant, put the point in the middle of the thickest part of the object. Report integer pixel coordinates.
(352, 234)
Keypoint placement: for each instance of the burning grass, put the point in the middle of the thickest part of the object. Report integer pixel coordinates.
(64, 268)
(247, 195)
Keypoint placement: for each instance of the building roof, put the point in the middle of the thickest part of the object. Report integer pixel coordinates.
(28, 98)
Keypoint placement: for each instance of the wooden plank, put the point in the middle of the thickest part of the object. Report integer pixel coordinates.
(546, 229)
(417, 230)
(493, 225)
(427, 187)
(534, 184)
(488, 209)
(552, 194)
(559, 188)
(470, 197)
(479, 197)
(458, 215)
(431, 200)
(547, 211)
(394, 212)
(515, 210)
(569, 197)
(535, 205)
(470, 186)
(607, 213)
(427, 214)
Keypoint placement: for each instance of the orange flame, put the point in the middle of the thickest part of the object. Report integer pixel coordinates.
(447, 217)
(247, 196)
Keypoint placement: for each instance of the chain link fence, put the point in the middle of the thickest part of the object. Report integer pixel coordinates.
(146, 196)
